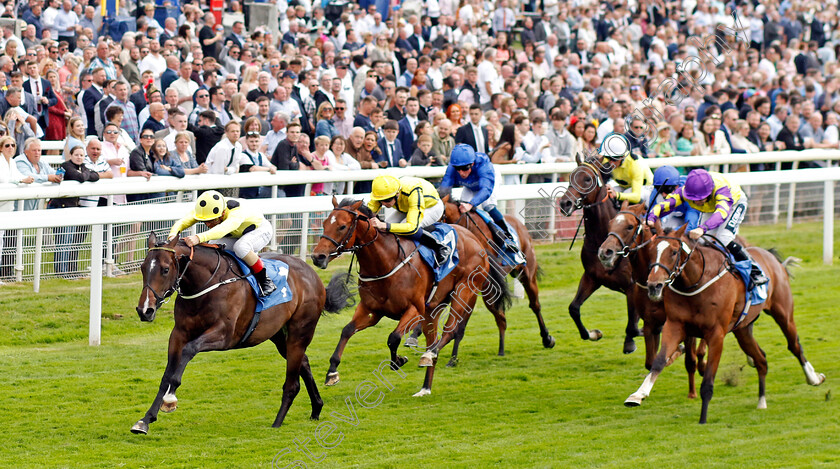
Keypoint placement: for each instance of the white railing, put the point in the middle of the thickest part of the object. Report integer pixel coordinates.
(99, 218)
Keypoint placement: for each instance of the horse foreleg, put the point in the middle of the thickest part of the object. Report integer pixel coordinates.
(691, 364)
(715, 343)
(411, 341)
(362, 319)
(632, 329)
(586, 288)
(459, 335)
(409, 318)
(672, 334)
(180, 353)
(529, 282)
(501, 324)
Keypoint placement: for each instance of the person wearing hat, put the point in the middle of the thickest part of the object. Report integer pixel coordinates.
(722, 206)
(666, 179)
(662, 145)
(632, 175)
(417, 205)
(228, 222)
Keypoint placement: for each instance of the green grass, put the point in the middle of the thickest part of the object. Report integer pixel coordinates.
(70, 405)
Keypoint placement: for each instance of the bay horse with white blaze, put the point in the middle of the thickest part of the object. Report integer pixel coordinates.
(703, 298)
(587, 190)
(215, 310)
(396, 283)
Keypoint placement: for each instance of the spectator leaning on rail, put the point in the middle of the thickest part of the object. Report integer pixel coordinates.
(245, 230)
(30, 164)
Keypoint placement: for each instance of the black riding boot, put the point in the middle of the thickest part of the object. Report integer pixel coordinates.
(441, 250)
(266, 284)
(740, 254)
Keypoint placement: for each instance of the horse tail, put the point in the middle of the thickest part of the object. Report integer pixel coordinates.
(540, 273)
(339, 293)
(505, 299)
(788, 263)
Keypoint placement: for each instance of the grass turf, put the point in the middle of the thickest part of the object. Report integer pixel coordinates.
(70, 405)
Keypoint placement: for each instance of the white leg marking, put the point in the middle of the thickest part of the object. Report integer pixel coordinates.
(762, 402)
(637, 397)
(813, 378)
(423, 392)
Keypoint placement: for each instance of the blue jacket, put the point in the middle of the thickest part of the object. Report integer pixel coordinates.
(406, 136)
(394, 161)
(481, 180)
(688, 214)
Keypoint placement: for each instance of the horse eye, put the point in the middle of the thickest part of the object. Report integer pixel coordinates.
(628, 228)
(342, 227)
(165, 270)
(674, 254)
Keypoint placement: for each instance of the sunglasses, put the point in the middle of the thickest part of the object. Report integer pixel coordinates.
(112, 132)
(147, 136)
(203, 96)
(9, 145)
(340, 108)
(234, 80)
(465, 167)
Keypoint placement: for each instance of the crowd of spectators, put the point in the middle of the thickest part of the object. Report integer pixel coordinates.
(390, 84)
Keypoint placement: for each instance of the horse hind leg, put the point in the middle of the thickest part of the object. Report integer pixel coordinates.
(532, 290)
(459, 335)
(748, 344)
(411, 341)
(501, 324)
(782, 312)
(279, 340)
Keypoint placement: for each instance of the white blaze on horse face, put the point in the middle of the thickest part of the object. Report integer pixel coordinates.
(332, 220)
(151, 265)
(620, 218)
(660, 248)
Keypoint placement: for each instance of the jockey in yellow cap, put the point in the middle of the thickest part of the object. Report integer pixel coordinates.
(231, 224)
(417, 205)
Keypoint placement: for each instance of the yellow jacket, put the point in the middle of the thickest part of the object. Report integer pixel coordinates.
(236, 221)
(633, 174)
(414, 197)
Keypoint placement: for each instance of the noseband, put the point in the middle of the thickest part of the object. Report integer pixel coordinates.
(627, 249)
(341, 246)
(678, 266)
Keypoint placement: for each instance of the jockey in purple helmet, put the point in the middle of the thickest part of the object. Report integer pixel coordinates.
(722, 206)
(474, 172)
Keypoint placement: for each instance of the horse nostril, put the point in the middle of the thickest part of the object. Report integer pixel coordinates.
(609, 253)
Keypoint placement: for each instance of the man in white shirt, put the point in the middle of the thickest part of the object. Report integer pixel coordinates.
(153, 61)
(48, 18)
(185, 87)
(226, 156)
(67, 24)
(613, 113)
(488, 77)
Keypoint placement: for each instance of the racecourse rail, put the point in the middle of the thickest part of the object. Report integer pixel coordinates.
(103, 217)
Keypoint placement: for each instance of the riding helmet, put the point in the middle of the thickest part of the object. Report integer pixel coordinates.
(385, 187)
(615, 146)
(209, 206)
(462, 155)
(698, 185)
(666, 176)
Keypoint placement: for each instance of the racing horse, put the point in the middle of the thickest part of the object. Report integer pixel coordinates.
(626, 238)
(215, 310)
(527, 274)
(703, 298)
(396, 283)
(587, 190)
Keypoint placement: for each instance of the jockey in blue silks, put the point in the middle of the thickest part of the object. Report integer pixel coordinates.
(666, 179)
(474, 172)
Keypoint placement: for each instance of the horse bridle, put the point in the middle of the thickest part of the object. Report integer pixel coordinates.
(578, 204)
(678, 269)
(626, 249)
(176, 287)
(341, 246)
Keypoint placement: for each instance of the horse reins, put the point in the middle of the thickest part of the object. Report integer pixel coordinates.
(176, 287)
(161, 299)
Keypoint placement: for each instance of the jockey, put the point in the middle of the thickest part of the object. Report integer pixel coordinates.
(631, 174)
(474, 172)
(666, 179)
(722, 206)
(229, 223)
(417, 205)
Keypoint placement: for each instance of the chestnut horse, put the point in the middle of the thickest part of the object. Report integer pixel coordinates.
(587, 190)
(396, 283)
(626, 237)
(527, 274)
(704, 299)
(215, 310)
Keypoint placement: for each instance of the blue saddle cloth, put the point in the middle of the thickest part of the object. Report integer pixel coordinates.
(506, 256)
(278, 271)
(446, 234)
(755, 296)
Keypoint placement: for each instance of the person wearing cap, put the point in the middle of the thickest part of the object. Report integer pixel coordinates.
(722, 206)
(417, 206)
(474, 172)
(666, 179)
(229, 223)
(632, 175)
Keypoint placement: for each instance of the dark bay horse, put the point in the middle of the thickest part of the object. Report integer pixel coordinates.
(214, 311)
(704, 299)
(587, 190)
(396, 283)
(527, 274)
(627, 236)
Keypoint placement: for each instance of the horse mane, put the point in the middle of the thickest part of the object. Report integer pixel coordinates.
(364, 209)
(596, 162)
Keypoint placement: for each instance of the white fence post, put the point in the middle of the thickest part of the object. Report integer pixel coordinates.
(19, 257)
(95, 328)
(39, 246)
(273, 220)
(792, 199)
(828, 223)
(777, 196)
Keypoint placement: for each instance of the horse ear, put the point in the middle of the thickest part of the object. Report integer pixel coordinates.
(681, 231)
(357, 204)
(578, 159)
(335, 202)
(150, 243)
(657, 227)
(624, 205)
(445, 199)
(174, 240)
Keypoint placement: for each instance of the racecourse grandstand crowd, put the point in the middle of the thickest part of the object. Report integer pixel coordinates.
(343, 85)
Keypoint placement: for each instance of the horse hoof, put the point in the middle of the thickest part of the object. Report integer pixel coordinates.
(548, 342)
(427, 359)
(595, 335)
(692, 395)
(634, 401)
(820, 381)
(170, 403)
(399, 362)
(453, 362)
(332, 379)
(411, 342)
(423, 392)
(762, 403)
(629, 347)
(140, 428)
